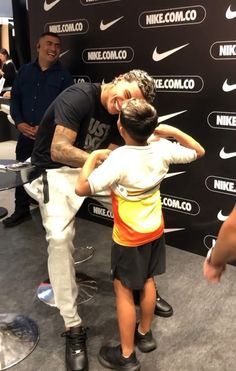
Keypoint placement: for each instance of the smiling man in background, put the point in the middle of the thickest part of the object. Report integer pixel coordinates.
(37, 84)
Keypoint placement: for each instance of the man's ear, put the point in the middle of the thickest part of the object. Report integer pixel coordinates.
(120, 128)
(38, 46)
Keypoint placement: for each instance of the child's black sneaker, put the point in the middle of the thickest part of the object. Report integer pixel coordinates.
(146, 343)
(111, 357)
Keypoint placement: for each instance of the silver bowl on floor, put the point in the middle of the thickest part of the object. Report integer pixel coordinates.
(18, 337)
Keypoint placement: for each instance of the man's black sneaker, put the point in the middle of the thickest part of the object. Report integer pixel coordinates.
(146, 343)
(111, 357)
(16, 218)
(76, 352)
(162, 308)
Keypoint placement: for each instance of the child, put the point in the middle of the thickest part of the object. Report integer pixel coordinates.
(134, 173)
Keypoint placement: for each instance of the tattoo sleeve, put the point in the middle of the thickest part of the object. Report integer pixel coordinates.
(63, 149)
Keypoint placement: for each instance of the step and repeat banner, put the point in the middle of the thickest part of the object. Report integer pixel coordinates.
(189, 47)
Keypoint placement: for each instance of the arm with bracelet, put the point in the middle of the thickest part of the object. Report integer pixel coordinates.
(223, 252)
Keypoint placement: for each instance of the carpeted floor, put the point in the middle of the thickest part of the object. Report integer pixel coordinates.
(200, 336)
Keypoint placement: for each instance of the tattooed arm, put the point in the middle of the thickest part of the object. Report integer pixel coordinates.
(63, 150)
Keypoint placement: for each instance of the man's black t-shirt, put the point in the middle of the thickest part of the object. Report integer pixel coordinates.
(78, 108)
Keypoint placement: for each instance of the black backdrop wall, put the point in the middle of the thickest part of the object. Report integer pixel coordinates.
(189, 48)
(20, 50)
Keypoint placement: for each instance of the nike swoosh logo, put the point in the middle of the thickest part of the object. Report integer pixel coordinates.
(63, 53)
(225, 155)
(221, 217)
(169, 116)
(230, 14)
(169, 230)
(159, 56)
(105, 26)
(227, 87)
(169, 175)
(48, 7)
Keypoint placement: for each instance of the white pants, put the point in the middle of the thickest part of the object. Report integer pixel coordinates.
(58, 217)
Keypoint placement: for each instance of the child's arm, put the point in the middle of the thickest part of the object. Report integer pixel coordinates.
(165, 131)
(82, 187)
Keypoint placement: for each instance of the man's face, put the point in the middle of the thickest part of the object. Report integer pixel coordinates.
(2, 57)
(120, 92)
(48, 49)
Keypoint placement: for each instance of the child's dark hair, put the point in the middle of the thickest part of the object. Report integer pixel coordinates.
(138, 118)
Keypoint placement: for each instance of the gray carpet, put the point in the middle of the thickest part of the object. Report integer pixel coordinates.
(200, 336)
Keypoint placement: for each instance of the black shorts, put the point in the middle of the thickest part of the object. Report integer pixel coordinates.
(134, 265)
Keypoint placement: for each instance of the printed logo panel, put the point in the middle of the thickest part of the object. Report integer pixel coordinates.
(172, 17)
(178, 84)
(122, 54)
(230, 14)
(96, 2)
(222, 120)
(106, 25)
(170, 116)
(228, 87)
(64, 53)
(99, 211)
(226, 155)
(221, 217)
(98, 29)
(221, 185)
(81, 78)
(223, 50)
(157, 56)
(47, 6)
(73, 27)
(181, 205)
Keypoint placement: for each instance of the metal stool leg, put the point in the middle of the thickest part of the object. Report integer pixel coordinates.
(82, 254)
(87, 285)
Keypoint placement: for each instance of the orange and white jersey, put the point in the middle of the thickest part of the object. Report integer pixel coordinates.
(134, 175)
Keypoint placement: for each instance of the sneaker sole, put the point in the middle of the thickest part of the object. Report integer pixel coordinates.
(105, 363)
(146, 350)
(164, 314)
